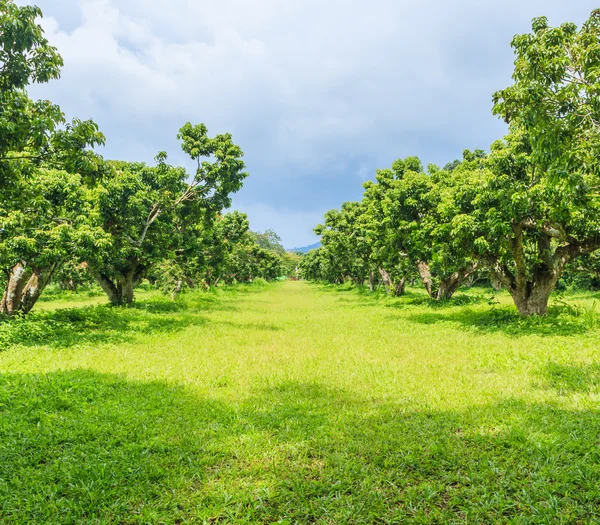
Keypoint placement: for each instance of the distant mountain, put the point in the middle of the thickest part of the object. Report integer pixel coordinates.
(306, 249)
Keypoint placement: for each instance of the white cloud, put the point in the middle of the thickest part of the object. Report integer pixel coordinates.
(318, 94)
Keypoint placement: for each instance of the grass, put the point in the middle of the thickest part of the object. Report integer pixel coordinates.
(297, 403)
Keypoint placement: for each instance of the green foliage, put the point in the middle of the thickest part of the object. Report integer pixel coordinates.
(25, 57)
(291, 263)
(269, 240)
(524, 212)
(344, 244)
(554, 97)
(153, 214)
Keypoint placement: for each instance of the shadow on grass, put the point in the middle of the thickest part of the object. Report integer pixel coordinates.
(566, 378)
(559, 321)
(268, 327)
(412, 297)
(82, 447)
(55, 293)
(104, 324)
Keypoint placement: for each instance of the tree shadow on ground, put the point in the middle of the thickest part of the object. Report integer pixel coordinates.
(572, 378)
(410, 298)
(82, 447)
(103, 324)
(560, 321)
(268, 327)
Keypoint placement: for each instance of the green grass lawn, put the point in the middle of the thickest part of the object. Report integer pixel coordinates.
(299, 403)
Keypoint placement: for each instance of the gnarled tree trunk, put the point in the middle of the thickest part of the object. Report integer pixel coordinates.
(448, 284)
(120, 290)
(387, 280)
(534, 297)
(426, 277)
(24, 287)
(531, 287)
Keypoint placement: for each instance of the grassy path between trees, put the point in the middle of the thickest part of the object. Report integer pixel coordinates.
(298, 403)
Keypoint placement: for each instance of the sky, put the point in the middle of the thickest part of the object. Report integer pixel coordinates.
(317, 93)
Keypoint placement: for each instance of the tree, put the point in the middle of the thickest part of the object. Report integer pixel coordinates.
(45, 165)
(212, 255)
(291, 264)
(313, 265)
(249, 261)
(388, 258)
(416, 212)
(149, 211)
(344, 242)
(72, 275)
(35, 241)
(540, 210)
(269, 240)
(25, 57)
(529, 227)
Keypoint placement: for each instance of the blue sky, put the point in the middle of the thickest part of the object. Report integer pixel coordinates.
(317, 93)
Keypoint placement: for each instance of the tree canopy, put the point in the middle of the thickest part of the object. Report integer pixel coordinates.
(522, 212)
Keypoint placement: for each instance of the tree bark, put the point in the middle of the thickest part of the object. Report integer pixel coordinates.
(470, 281)
(425, 274)
(177, 289)
(496, 283)
(110, 289)
(449, 285)
(11, 298)
(387, 280)
(371, 281)
(36, 284)
(24, 288)
(534, 297)
(400, 287)
(120, 291)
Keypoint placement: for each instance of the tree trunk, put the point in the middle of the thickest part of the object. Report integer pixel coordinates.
(470, 281)
(533, 301)
(530, 288)
(68, 284)
(387, 280)
(447, 288)
(127, 288)
(448, 285)
(11, 298)
(400, 287)
(425, 274)
(35, 286)
(531, 297)
(111, 289)
(177, 289)
(371, 281)
(120, 291)
(24, 288)
(496, 283)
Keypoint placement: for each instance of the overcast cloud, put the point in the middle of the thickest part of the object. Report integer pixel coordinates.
(317, 93)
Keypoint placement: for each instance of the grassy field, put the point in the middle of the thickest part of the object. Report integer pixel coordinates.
(299, 403)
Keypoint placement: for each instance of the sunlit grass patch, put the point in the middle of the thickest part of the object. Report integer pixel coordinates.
(291, 403)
